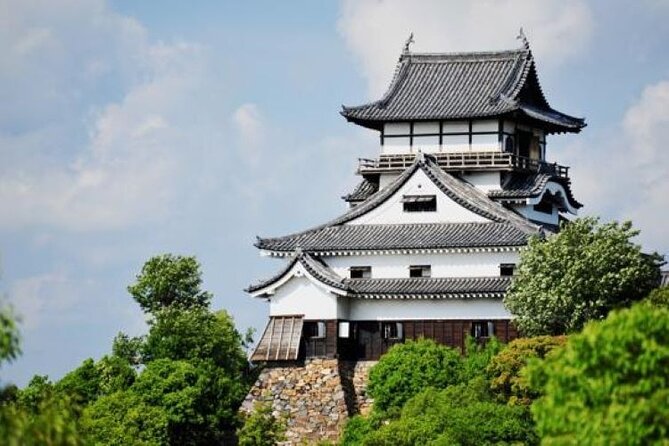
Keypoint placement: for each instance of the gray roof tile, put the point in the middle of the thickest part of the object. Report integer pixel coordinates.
(362, 191)
(448, 287)
(463, 85)
(522, 185)
(400, 236)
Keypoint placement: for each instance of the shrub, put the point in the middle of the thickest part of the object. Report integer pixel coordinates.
(477, 357)
(609, 385)
(261, 428)
(659, 297)
(458, 415)
(504, 370)
(408, 368)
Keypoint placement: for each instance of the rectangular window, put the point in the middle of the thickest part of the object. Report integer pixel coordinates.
(506, 269)
(420, 271)
(360, 272)
(483, 329)
(344, 329)
(420, 203)
(314, 330)
(393, 330)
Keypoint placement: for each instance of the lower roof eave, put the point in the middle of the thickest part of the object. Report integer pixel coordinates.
(451, 296)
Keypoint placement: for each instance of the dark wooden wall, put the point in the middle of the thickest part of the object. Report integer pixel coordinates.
(366, 342)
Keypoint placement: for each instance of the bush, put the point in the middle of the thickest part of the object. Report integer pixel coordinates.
(659, 297)
(458, 415)
(504, 370)
(579, 275)
(477, 358)
(609, 385)
(406, 369)
(261, 428)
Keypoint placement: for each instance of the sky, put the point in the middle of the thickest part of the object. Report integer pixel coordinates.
(130, 129)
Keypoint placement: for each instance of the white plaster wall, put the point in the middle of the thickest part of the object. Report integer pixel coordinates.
(396, 145)
(455, 143)
(472, 264)
(386, 178)
(485, 143)
(486, 181)
(373, 309)
(396, 128)
(301, 296)
(392, 211)
(421, 128)
(528, 212)
(426, 144)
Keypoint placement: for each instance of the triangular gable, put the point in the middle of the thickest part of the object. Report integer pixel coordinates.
(302, 265)
(461, 192)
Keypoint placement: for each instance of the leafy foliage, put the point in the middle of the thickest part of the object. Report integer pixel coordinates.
(477, 357)
(659, 297)
(609, 385)
(169, 281)
(9, 336)
(504, 370)
(406, 369)
(261, 428)
(579, 275)
(463, 414)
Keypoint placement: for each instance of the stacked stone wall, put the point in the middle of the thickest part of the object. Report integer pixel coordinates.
(315, 397)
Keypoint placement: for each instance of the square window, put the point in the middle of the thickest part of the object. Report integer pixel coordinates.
(483, 329)
(506, 269)
(420, 271)
(360, 272)
(393, 330)
(314, 330)
(419, 203)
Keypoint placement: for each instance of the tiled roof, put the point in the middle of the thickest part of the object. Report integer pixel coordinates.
(362, 191)
(314, 266)
(522, 185)
(280, 340)
(463, 85)
(400, 236)
(463, 193)
(432, 287)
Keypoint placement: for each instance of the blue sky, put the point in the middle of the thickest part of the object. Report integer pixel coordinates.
(129, 129)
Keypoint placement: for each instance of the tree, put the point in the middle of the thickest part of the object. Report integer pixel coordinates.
(261, 428)
(9, 335)
(504, 369)
(609, 385)
(169, 281)
(659, 297)
(579, 275)
(406, 369)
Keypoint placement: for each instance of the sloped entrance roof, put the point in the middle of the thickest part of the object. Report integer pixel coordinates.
(280, 341)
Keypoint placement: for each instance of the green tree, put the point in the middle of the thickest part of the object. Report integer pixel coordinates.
(504, 369)
(579, 275)
(609, 385)
(9, 335)
(406, 369)
(169, 281)
(463, 414)
(128, 348)
(261, 428)
(123, 418)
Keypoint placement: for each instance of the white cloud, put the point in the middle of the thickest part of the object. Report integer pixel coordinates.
(626, 175)
(375, 30)
(96, 117)
(250, 127)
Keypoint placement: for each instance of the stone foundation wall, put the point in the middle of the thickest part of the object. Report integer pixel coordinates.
(315, 397)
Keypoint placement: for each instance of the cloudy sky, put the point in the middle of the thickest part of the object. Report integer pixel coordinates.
(129, 129)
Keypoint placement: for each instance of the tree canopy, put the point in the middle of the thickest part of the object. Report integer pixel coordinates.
(578, 275)
(169, 281)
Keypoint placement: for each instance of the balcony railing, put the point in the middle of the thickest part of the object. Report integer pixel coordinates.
(463, 161)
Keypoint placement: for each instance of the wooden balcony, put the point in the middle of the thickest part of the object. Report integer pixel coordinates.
(473, 161)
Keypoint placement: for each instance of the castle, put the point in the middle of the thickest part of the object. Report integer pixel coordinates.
(432, 233)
